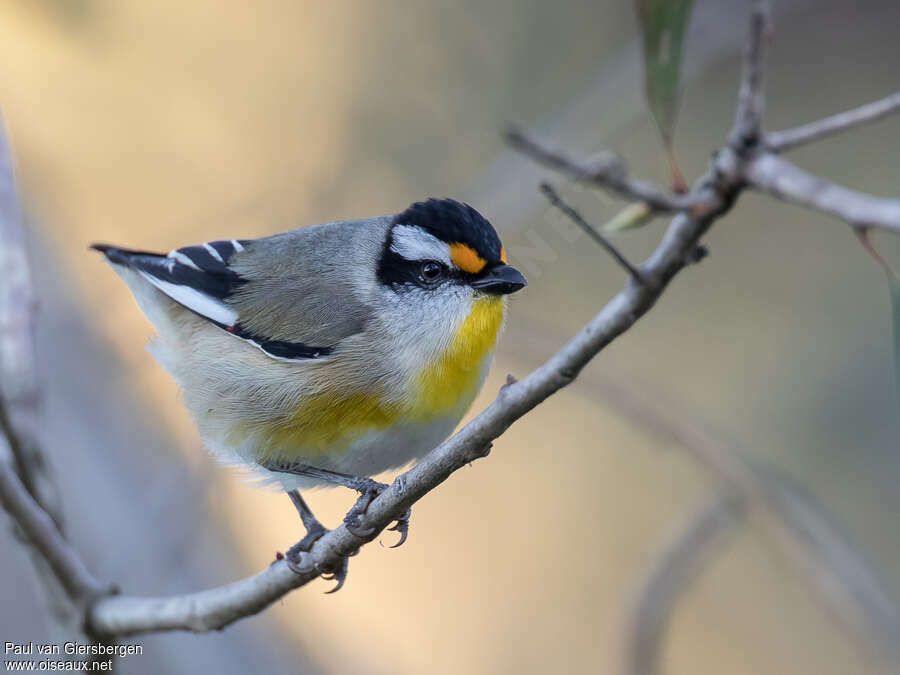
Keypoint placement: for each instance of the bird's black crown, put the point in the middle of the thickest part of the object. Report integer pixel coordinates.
(454, 222)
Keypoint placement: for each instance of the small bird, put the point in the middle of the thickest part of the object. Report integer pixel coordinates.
(327, 354)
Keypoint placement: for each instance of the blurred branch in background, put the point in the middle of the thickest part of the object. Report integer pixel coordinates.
(736, 166)
(779, 141)
(43, 533)
(19, 394)
(752, 92)
(605, 169)
(27, 491)
(669, 575)
(800, 527)
(776, 176)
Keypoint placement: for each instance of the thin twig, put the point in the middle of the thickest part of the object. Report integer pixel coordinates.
(605, 169)
(779, 141)
(43, 534)
(591, 231)
(780, 178)
(751, 95)
(669, 577)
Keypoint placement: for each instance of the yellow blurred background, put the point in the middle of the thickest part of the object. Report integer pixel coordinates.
(160, 124)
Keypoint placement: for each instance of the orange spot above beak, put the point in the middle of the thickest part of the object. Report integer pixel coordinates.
(466, 259)
(502, 254)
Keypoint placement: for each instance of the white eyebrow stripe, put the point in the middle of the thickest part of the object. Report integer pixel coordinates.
(183, 259)
(237, 245)
(413, 243)
(213, 252)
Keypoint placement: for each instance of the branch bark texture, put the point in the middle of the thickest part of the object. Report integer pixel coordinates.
(780, 178)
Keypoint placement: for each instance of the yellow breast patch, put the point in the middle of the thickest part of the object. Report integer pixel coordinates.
(330, 422)
(323, 423)
(452, 380)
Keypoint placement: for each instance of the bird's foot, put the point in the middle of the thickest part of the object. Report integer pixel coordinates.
(296, 563)
(370, 489)
(314, 532)
(294, 555)
(338, 572)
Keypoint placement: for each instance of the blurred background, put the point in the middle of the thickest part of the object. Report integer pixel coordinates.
(160, 124)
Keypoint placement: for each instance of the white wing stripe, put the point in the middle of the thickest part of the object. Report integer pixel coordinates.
(214, 253)
(183, 259)
(195, 300)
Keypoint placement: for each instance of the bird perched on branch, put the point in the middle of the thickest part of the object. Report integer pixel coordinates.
(327, 354)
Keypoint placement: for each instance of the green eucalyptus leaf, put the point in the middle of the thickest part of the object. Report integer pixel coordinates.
(663, 25)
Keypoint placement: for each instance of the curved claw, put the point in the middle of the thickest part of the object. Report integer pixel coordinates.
(401, 526)
(338, 586)
(340, 574)
(404, 533)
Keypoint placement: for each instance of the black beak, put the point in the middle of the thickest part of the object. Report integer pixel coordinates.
(500, 280)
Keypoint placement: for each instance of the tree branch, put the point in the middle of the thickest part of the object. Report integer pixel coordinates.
(605, 169)
(779, 141)
(751, 95)
(43, 533)
(591, 231)
(776, 176)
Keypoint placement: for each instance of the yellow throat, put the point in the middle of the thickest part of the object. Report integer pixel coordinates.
(451, 382)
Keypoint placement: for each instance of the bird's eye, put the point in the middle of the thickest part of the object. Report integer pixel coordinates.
(431, 271)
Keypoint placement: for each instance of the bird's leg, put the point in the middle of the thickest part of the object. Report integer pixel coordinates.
(314, 531)
(368, 488)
